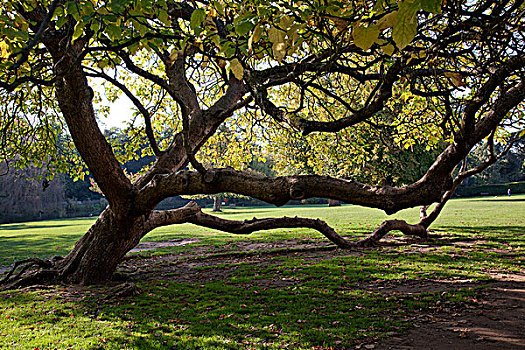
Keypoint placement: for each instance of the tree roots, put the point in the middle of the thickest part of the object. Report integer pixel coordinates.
(30, 271)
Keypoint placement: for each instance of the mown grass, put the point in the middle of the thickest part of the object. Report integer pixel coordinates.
(328, 299)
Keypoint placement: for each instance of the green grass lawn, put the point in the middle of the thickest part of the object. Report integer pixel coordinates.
(492, 216)
(329, 299)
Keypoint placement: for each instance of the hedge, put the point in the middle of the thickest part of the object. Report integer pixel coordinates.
(491, 190)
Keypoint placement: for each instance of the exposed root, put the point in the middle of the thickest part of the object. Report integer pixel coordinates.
(31, 271)
(124, 290)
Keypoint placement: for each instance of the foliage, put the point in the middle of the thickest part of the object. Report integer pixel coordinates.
(491, 189)
(510, 168)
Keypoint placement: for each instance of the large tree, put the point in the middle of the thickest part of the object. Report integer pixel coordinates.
(442, 75)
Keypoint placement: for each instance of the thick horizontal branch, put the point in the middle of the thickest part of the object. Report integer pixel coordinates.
(280, 190)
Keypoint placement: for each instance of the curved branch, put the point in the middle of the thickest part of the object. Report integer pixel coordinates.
(427, 220)
(136, 103)
(24, 53)
(487, 89)
(382, 93)
(192, 213)
(392, 225)
(248, 226)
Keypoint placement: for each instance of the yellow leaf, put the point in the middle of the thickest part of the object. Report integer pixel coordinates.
(4, 49)
(257, 31)
(364, 37)
(256, 35)
(279, 51)
(285, 22)
(388, 49)
(457, 79)
(174, 54)
(237, 69)
(275, 35)
(387, 21)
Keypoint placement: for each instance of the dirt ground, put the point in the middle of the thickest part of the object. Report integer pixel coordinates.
(494, 320)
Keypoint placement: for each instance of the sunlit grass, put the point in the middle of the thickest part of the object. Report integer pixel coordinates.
(498, 217)
(333, 299)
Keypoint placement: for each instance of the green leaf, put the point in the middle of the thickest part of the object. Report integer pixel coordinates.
(405, 28)
(164, 17)
(197, 17)
(387, 21)
(72, 9)
(95, 26)
(114, 32)
(243, 27)
(388, 49)
(142, 29)
(364, 37)
(432, 6)
(79, 30)
(118, 6)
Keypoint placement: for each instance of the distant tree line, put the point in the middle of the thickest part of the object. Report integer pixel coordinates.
(26, 194)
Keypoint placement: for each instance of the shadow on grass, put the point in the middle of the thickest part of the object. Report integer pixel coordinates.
(24, 246)
(14, 227)
(224, 315)
(274, 300)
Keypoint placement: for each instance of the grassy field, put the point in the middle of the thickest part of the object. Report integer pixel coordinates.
(301, 300)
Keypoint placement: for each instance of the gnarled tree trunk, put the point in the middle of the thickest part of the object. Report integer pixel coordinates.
(96, 255)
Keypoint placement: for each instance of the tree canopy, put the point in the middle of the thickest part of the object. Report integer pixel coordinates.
(381, 100)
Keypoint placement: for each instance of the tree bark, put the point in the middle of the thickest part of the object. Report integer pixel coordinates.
(217, 203)
(96, 255)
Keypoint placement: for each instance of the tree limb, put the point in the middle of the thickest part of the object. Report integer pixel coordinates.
(24, 53)
(136, 103)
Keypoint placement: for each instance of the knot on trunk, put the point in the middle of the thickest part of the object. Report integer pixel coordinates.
(297, 193)
(209, 176)
(297, 190)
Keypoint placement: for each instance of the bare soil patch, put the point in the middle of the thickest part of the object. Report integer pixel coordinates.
(495, 319)
(143, 246)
